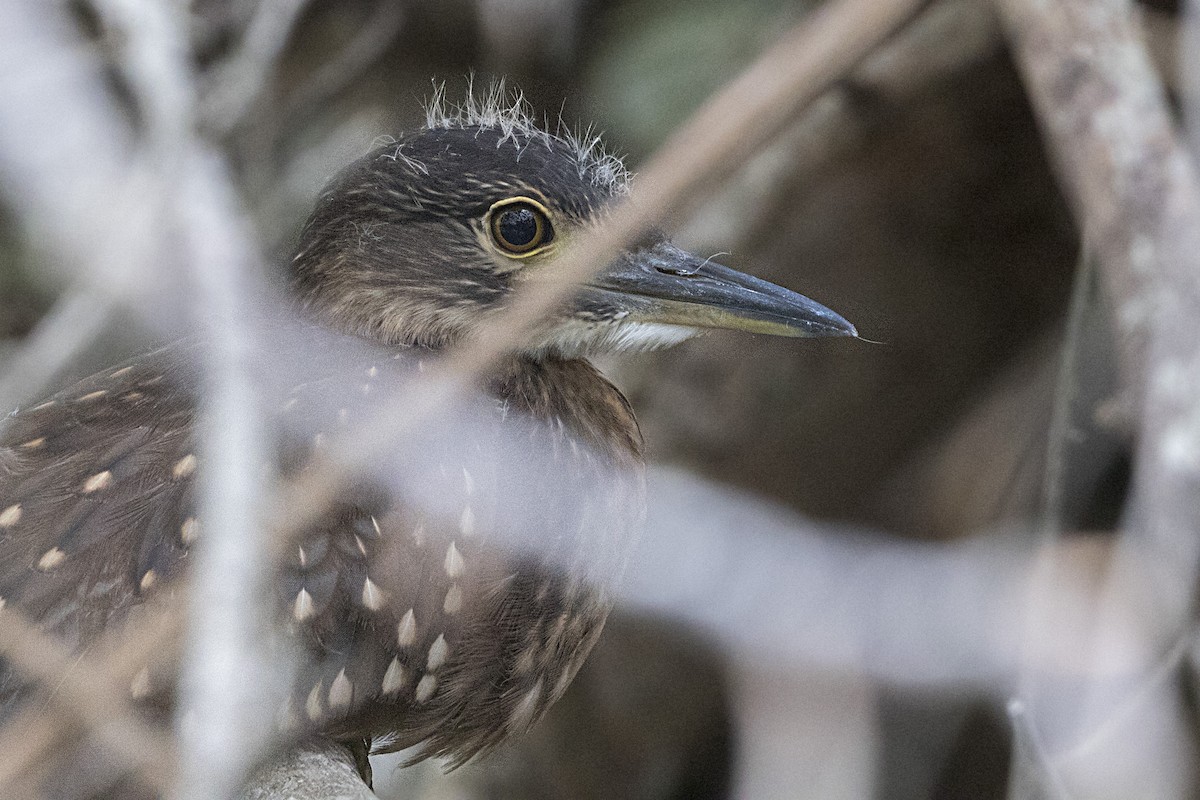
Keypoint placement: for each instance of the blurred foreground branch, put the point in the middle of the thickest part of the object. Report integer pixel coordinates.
(227, 677)
(25, 740)
(94, 696)
(244, 78)
(80, 199)
(943, 40)
(1120, 156)
(1135, 194)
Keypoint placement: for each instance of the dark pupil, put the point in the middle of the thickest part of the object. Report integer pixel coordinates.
(518, 227)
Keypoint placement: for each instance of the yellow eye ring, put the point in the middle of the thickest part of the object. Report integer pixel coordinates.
(520, 226)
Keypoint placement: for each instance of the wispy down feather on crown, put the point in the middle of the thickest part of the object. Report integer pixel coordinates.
(509, 112)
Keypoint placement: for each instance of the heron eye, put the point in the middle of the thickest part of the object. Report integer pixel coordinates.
(520, 226)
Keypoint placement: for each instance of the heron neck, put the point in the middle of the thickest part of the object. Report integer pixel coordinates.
(572, 392)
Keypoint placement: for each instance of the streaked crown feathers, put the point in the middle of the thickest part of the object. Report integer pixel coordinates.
(508, 112)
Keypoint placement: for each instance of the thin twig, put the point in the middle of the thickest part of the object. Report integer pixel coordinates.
(71, 326)
(79, 199)
(243, 79)
(1066, 390)
(331, 77)
(86, 692)
(24, 741)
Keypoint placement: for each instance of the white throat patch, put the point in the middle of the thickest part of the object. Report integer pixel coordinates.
(578, 338)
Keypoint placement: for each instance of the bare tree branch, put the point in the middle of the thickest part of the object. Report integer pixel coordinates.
(226, 687)
(368, 44)
(1136, 197)
(76, 319)
(25, 741)
(88, 694)
(318, 769)
(243, 79)
(1128, 176)
(52, 90)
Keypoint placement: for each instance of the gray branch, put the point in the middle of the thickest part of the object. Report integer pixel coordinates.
(228, 687)
(319, 769)
(244, 78)
(1137, 202)
(52, 90)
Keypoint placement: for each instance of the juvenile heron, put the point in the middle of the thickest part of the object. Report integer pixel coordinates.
(422, 630)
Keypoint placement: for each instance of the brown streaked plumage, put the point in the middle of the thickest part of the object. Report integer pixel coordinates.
(424, 625)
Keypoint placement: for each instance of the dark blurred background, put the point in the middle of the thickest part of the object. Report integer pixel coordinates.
(915, 199)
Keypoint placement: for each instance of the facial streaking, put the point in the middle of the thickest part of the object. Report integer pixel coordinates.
(424, 238)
